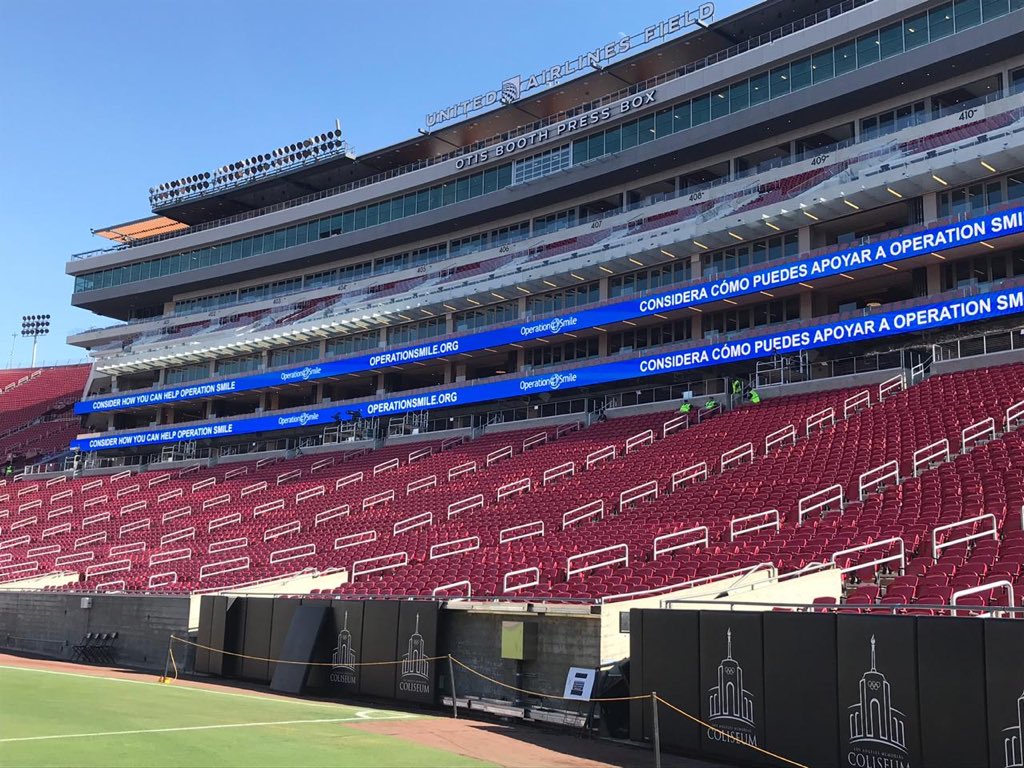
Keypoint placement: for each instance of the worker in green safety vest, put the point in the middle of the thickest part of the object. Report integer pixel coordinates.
(685, 407)
(711, 404)
(737, 387)
(754, 397)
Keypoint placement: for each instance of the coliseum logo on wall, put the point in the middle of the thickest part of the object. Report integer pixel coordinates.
(877, 728)
(730, 705)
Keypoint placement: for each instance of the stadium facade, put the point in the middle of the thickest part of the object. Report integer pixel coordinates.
(792, 190)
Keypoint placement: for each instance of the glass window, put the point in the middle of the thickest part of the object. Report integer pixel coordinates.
(846, 57)
(758, 89)
(645, 129)
(719, 103)
(579, 151)
(613, 140)
(780, 81)
(890, 41)
(701, 109)
(867, 49)
(595, 145)
(739, 96)
(662, 124)
(800, 73)
(681, 115)
(822, 66)
(993, 8)
(629, 131)
(915, 31)
(966, 14)
(940, 22)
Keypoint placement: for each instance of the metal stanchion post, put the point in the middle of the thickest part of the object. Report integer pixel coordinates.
(657, 734)
(451, 677)
(167, 658)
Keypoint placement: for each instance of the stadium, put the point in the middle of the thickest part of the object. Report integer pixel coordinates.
(669, 395)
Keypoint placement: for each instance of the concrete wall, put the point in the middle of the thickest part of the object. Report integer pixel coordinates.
(50, 624)
(978, 361)
(474, 637)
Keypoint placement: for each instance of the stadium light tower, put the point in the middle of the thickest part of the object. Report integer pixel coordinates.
(34, 326)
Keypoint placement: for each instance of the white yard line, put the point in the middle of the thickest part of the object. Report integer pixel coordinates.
(259, 695)
(359, 717)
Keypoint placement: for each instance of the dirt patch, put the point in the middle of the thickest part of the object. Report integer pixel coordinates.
(520, 746)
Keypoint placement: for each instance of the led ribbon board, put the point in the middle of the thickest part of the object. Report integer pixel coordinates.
(994, 226)
(962, 310)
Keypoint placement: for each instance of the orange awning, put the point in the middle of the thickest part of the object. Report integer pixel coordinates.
(140, 230)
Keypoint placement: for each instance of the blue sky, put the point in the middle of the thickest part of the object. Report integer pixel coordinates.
(101, 100)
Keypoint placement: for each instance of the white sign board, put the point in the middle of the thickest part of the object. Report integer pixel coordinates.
(579, 683)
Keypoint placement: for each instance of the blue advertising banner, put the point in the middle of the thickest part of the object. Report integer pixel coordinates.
(875, 326)
(827, 265)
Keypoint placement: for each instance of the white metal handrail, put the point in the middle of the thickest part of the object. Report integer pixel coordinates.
(539, 439)
(445, 587)
(411, 523)
(467, 544)
(516, 487)
(293, 526)
(770, 518)
(1011, 600)
(819, 501)
(737, 455)
(464, 505)
(330, 514)
(389, 563)
(895, 384)
(779, 437)
(355, 539)
(1014, 416)
(227, 545)
(521, 572)
(553, 473)
(674, 424)
(386, 466)
(854, 403)
(524, 531)
(571, 570)
(270, 506)
(461, 469)
(341, 482)
(969, 522)
(585, 512)
(498, 455)
(638, 493)
(641, 438)
(292, 553)
(378, 498)
(702, 541)
(901, 557)
(220, 522)
(976, 433)
(224, 566)
(872, 481)
(310, 493)
(601, 454)
(697, 471)
(925, 457)
(418, 485)
(819, 420)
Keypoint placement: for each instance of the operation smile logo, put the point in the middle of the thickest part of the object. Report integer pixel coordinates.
(305, 374)
(552, 381)
(300, 419)
(549, 327)
(512, 89)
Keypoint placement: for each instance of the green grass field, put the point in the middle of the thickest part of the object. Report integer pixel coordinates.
(59, 719)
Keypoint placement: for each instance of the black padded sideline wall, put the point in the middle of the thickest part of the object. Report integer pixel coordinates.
(912, 692)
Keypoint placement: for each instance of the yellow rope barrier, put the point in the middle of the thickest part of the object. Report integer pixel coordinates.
(538, 694)
(493, 681)
(305, 663)
(728, 735)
